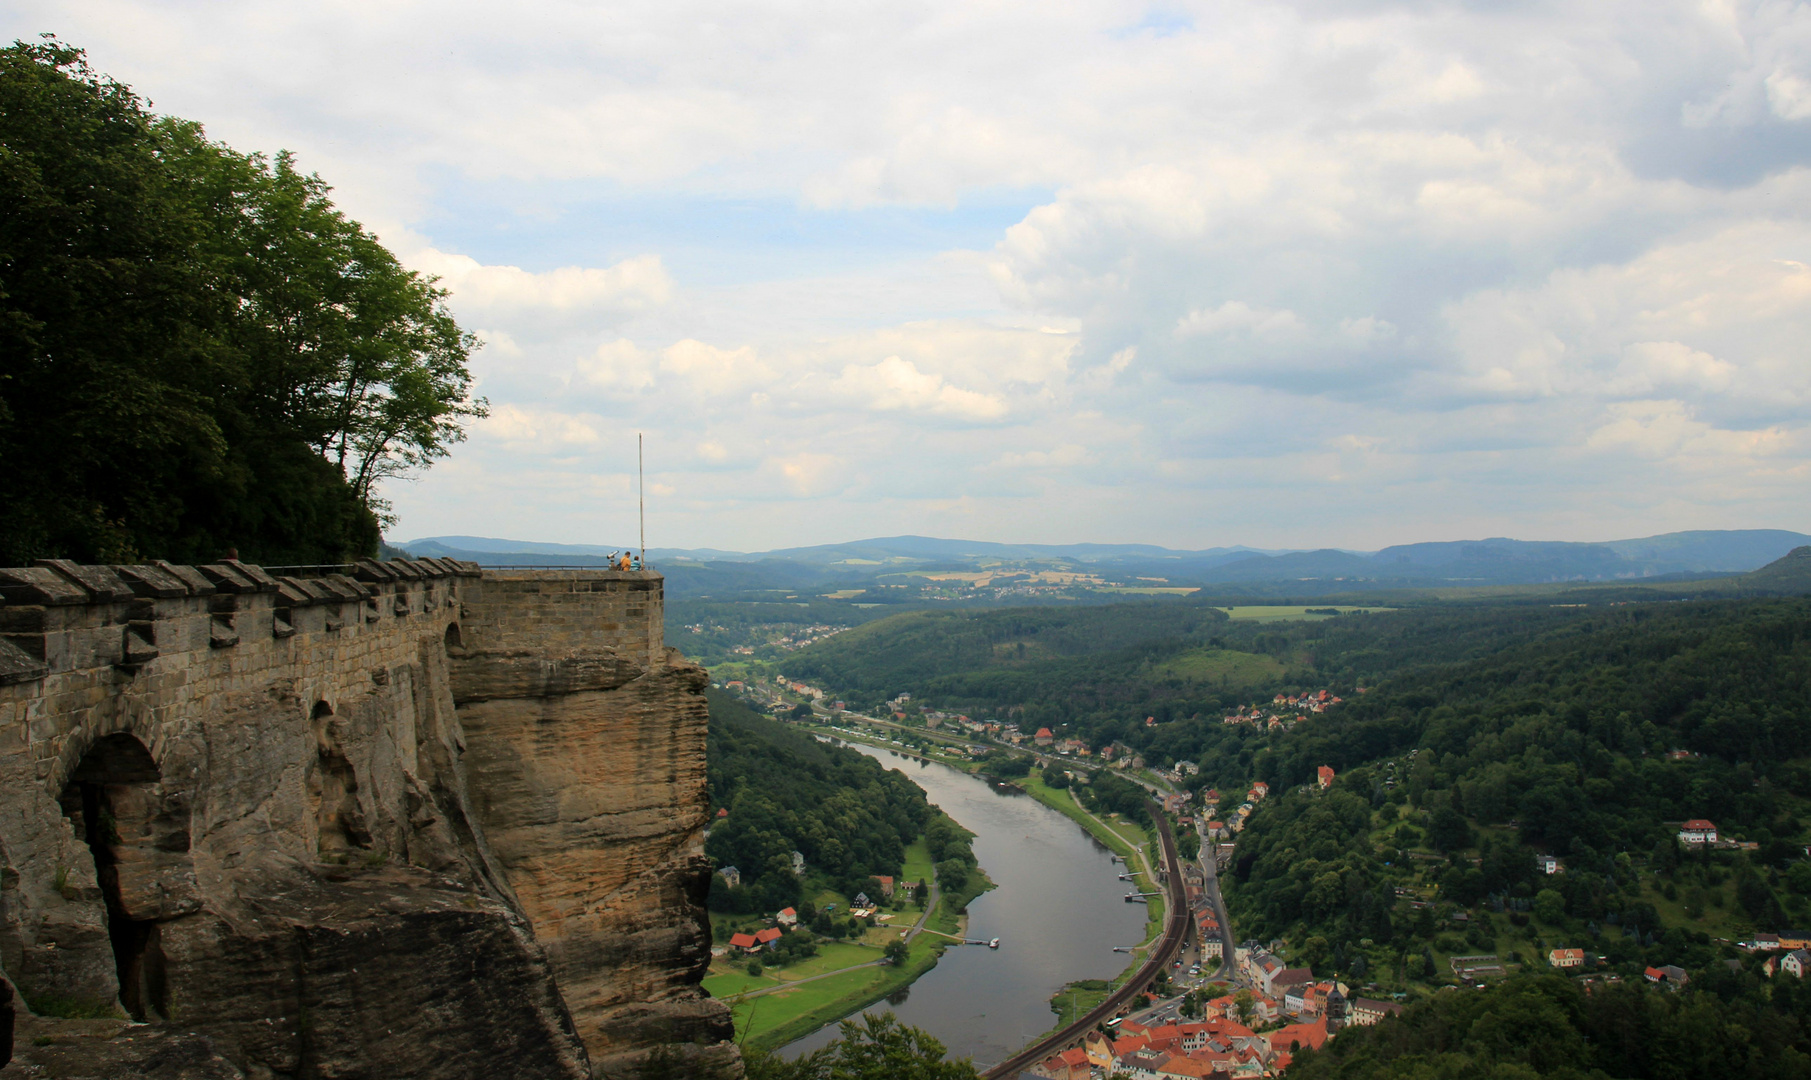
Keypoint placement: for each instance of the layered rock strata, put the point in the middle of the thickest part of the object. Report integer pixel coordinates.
(247, 807)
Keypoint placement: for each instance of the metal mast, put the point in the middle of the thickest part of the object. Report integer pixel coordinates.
(641, 498)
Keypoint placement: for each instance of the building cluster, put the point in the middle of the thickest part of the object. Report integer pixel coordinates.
(1220, 1045)
(1213, 1047)
(1792, 951)
(1283, 710)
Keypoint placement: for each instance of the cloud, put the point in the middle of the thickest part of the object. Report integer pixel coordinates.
(1236, 317)
(632, 284)
(1516, 268)
(894, 384)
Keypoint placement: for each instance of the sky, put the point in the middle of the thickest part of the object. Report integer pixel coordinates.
(1281, 274)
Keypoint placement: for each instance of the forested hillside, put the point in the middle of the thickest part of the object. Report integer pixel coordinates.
(989, 655)
(197, 350)
(1735, 1025)
(1588, 743)
(846, 813)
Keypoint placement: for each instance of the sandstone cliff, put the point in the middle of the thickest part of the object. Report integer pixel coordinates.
(412, 820)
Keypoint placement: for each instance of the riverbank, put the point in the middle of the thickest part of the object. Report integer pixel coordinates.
(786, 1004)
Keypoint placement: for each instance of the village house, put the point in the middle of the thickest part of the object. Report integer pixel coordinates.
(1044, 737)
(1071, 1064)
(886, 886)
(767, 935)
(787, 917)
(1185, 768)
(798, 863)
(1311, 1035)
(1283, 982)
(1325, 777)
(1258, 791)
(731, 876)
(745, 942)
(1566, 958)
(1547, 864)
(1365, 1011)
(1795, 963)
(1698, 831)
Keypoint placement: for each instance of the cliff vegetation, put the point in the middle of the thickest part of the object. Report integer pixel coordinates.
(198, 351)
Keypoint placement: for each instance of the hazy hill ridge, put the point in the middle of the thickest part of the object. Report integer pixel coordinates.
(1493, 561)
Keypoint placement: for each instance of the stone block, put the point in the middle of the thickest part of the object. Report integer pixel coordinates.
(39, 585)
(100, 581)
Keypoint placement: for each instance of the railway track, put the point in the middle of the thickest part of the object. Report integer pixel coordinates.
(1174, 934)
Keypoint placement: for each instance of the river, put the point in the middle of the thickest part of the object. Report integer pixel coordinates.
(1058, 910)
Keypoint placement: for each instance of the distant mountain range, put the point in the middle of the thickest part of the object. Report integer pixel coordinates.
(1496, 561)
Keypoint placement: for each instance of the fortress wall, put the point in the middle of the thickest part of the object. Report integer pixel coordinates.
(585, 750)
(246, 804)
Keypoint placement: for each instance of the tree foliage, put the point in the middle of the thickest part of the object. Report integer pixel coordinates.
(1547, 1026)
(870, 1047)
(850, 816)
(197, 350)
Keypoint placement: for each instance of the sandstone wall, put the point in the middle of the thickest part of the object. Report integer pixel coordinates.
(248, 806)
(585, 752)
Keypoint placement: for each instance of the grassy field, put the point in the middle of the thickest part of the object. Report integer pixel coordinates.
(1227, 667)
(1077, 998)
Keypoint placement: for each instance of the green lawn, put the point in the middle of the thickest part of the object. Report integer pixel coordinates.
(1234, 669)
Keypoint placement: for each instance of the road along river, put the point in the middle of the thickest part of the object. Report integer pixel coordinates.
(1058, 911)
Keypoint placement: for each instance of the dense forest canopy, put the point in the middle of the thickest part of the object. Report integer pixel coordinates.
(850, 816)
(1733, 1025)
(197, 350)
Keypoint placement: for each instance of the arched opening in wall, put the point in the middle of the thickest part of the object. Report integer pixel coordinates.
(116, 802)
(453, 638)
(333, 789)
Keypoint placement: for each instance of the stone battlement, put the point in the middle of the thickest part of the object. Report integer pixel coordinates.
(441, 768)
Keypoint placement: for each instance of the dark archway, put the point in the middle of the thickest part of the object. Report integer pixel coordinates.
(454, 640)
(114, 800)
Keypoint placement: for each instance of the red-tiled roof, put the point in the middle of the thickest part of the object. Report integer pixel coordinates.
(1698, 825)
(787, 911)
(772, 933)
(742, 941)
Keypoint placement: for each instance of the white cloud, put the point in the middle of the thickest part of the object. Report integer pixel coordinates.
(1238, 317)
(632, 284)
(1510, 266)
(894, 384)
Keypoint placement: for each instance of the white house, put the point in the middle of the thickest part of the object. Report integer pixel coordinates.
(1698, 831)
(1547, 864)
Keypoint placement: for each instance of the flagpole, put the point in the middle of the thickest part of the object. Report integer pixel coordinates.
(641, 498)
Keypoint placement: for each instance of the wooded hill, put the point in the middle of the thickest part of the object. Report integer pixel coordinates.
(850, 816)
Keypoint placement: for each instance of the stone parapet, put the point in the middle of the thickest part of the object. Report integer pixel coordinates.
(211, 776)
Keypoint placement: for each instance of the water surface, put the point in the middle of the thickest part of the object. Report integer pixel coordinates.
(1058, 910)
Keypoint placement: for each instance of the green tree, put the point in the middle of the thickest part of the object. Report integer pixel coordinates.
(197, 351)
(1549, 906)
(754, 967)
(897, 951)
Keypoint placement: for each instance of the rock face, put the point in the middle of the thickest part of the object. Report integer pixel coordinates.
(414, 820)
